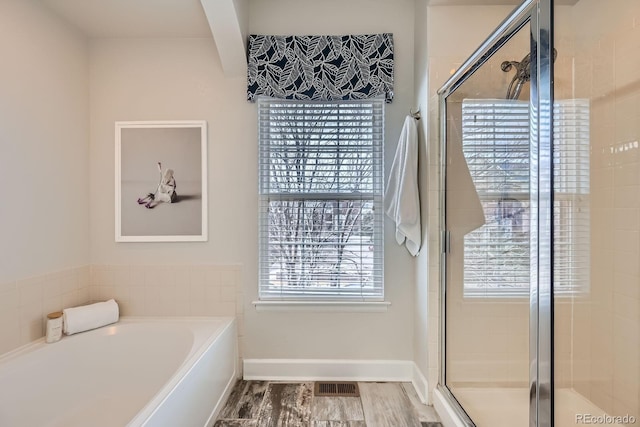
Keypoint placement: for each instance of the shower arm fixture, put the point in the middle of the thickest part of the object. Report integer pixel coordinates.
(523, 74)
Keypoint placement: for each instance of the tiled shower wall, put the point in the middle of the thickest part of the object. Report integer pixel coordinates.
(140, 290)
(488, 338)
(25, 303)
(606, 334)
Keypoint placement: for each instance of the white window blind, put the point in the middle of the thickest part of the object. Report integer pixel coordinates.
(572, 218)
(321, 172)
(495, 143)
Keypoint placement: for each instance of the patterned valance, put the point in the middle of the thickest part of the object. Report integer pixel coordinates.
(321, 67)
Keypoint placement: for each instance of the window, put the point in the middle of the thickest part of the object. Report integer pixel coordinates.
(571, 191)
(321, 172)
(495, 143)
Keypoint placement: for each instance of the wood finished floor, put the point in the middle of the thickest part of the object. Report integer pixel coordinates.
(278, 404)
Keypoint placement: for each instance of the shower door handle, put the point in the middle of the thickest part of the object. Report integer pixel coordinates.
(446, 241)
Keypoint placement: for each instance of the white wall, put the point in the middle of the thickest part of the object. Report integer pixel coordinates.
(422, 298)
(345, 335)
(44, 96)
(174, 79)
(169, 79)
(44, 143)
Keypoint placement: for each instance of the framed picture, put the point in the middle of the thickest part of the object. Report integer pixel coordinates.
(161, 181)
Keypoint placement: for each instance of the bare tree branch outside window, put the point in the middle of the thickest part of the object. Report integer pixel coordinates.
(319, 176)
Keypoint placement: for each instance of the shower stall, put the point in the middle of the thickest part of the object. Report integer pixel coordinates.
(540, 265)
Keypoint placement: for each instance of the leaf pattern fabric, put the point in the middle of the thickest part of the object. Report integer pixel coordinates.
(320, 67)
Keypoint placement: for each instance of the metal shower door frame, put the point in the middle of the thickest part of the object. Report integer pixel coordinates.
(539, 14)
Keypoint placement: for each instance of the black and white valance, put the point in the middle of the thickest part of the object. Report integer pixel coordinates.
(321, 67)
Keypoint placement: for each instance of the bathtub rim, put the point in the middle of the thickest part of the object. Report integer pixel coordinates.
(150, 408)
(25, 348)
(196, 352)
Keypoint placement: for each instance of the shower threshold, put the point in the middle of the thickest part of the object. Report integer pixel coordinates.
(509, 407)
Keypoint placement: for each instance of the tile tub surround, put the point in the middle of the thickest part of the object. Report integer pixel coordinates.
(140, 290)
(263, 403)
(172, 290)
(25, 303)
(160, 290)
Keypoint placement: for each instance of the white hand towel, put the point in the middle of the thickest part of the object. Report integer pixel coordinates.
(86, 317)
(402, 198)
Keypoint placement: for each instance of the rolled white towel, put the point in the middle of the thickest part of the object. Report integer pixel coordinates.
(86, 317)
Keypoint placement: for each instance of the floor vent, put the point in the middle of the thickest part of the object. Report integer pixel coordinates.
(328, 388)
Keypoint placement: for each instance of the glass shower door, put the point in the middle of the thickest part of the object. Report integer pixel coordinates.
(559, 345)
(496, 123)
(488, 214)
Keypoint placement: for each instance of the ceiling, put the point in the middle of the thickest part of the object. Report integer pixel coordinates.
(169, 18)
(134, 18)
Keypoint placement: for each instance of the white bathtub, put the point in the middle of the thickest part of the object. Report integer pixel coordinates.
(138, 372)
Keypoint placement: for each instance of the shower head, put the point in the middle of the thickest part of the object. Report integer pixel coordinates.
(523, 74)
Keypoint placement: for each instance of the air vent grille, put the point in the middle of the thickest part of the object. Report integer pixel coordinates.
(346, 389)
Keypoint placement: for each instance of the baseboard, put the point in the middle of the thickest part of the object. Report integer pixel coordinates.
(420, 384)
(328, 370)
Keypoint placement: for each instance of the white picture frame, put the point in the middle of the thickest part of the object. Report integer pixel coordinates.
(161, 181)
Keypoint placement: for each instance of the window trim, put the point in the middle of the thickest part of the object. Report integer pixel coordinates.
(344, 298)
(568, 193)
(322, 306)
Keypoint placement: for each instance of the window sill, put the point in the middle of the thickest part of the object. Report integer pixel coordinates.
(323, 306)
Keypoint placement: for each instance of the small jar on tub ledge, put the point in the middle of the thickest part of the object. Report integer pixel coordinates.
(54, 327)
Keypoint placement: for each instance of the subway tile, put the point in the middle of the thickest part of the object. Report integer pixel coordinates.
(627, 219)
(31, 299)
(6, 287)
(213, 276)
(239, 307)
(104, 293)
(626, 307)
(82, 276)
(70, 299)
(110, 276)
(121, 292)
(182, 307)
(212, 294)
(122, 275)
(224, 309)
(137, 275)
(228, 293)
(30, 291)
(182, 275)
(68, 281)
(197, 276)
(154, 276)
(83, 295)
(199, 307)
(9, 300)
(51, 305)
(51, 287)
(10, 330)
(31, 328)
